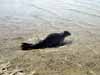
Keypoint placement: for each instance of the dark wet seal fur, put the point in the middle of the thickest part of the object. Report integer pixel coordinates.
(51, 41)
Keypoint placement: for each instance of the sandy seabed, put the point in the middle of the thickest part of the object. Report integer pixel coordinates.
(81, 57)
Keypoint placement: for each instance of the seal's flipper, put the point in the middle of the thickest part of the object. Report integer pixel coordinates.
(26, 46)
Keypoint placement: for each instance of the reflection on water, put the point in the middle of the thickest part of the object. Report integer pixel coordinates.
(76, 10)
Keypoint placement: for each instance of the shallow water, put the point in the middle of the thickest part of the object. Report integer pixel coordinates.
(85, 11)
(22, 19)
(23, 16)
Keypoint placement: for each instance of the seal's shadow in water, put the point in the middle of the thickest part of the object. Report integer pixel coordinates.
(53, 40)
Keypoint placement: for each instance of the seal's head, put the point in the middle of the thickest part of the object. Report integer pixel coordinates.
(66, 33)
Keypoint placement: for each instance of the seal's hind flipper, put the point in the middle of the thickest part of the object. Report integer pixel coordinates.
(26, 46)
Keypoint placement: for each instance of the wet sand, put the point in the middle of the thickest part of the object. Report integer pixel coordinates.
(81, 18)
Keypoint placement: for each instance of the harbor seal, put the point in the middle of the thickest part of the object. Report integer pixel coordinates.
(52, 40)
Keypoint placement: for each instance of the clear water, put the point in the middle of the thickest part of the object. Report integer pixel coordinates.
(86, 11)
